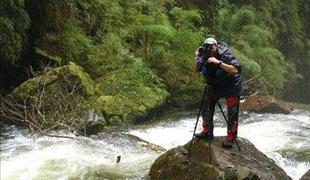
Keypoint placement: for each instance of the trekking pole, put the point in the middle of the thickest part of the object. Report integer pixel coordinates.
(225, 117)
(202, 100)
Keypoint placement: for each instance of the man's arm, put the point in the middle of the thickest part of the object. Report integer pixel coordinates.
(226, 67)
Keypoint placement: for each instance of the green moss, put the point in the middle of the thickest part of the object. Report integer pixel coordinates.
(129, 92)
(77, 74)
(110, 105)
(31, 87)
(53, 80)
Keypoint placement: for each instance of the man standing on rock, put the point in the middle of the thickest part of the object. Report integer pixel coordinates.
(222, 73)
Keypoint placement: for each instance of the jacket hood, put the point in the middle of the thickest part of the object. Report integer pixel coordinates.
(223, 47)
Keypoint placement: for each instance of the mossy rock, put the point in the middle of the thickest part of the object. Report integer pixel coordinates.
(129, 92)
(111, 105)
(69, 75)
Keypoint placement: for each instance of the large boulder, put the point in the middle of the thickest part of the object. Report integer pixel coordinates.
(69, 76)
(249, 163)
(306, 176)
(56, 98)
(130, 92)
(266, 104)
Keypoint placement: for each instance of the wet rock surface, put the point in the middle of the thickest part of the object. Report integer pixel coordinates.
(306, 176)
(125, 138)
(266, 104)
(249, 163)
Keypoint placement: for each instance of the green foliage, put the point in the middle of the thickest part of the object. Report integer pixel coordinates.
(151, 30)
(255, 35)
(174, 63)
(14, 23)
(107, 36)
(250, 67)
(185, 18)
(242, 17)
(101, 16)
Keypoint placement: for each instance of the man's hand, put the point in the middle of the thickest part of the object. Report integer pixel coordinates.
(197, 53)
(213, 60)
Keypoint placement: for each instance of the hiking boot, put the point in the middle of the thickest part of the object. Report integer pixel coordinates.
(205, 135)
(228, 144)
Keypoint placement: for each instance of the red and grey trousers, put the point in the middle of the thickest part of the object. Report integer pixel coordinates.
(207, 113)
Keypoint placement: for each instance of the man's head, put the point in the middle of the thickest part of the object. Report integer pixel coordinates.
(211, 44)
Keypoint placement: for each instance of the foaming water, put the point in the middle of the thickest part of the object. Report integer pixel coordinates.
(279, 136)
(24, 157)
(284, 138)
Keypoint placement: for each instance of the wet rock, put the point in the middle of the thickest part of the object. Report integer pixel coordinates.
(245, 173)
(306, 176)
(118, 159)
(130, 139)
(266, 104)
(232, 164)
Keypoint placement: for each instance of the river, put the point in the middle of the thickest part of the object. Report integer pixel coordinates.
(284, 138)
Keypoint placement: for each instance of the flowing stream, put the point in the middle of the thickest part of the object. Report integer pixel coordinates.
(284, 138)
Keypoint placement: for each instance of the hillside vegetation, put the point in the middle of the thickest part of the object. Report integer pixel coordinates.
(136, 49)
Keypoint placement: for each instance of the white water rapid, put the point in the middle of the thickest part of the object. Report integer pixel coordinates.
(284, 138)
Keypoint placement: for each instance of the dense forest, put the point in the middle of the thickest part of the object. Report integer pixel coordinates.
(122, 45)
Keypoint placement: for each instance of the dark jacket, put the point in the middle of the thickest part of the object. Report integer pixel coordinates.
(222, 83)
